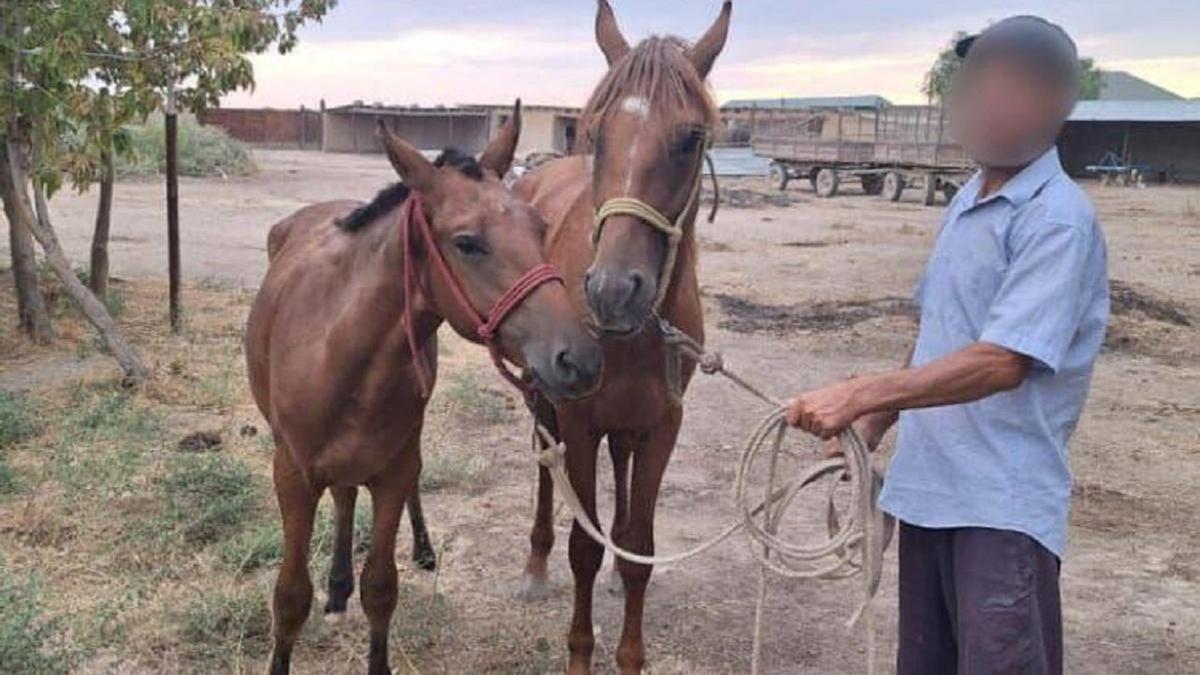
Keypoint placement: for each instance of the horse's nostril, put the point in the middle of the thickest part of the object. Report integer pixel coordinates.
(636, 281)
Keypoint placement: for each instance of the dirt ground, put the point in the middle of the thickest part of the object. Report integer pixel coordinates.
(796, 296)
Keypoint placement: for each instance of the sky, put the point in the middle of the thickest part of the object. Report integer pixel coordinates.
(484, 51)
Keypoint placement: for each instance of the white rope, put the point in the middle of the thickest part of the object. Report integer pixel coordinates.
(856, 540)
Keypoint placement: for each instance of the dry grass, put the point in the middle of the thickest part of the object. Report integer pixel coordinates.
(127, 554)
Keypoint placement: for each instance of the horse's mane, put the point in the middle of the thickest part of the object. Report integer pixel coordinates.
(394, 195)
(657, 70)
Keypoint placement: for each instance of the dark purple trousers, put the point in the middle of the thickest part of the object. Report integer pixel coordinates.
(977, 601)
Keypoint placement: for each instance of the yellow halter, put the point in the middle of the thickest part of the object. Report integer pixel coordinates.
(673, 230)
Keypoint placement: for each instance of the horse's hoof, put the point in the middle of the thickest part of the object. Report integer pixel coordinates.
(425, 560)
(533, 589)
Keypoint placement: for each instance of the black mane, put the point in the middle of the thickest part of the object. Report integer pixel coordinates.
(395, 194)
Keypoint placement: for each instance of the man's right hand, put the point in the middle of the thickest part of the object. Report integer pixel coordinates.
(870, 429)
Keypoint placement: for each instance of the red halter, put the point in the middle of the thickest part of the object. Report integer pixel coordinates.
(487, 327)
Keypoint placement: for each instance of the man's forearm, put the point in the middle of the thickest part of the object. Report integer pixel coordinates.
(876, 424)
(972, 373)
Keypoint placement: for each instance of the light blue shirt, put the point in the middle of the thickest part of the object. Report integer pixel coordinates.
(1025, 269)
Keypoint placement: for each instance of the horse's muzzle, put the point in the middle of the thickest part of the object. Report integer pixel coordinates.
(567, 370)
(621, 300)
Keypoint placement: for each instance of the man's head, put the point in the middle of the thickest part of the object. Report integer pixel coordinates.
(1017, 85)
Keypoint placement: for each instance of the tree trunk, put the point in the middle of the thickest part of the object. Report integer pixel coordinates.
(92, 308)
(98, 277)
(33, 319)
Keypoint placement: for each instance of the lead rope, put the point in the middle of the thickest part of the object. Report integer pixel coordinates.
(854, 547)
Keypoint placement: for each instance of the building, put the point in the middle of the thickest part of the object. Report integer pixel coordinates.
(352, 128)
(1160, 136)
(1118, 85)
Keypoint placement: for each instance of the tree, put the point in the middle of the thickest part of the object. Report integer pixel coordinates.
(1091, 80)
(941, 75)
(79, 70)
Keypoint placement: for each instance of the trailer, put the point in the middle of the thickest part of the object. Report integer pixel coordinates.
(885, 151)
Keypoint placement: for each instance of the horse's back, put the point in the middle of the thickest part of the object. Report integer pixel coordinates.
(304, 221)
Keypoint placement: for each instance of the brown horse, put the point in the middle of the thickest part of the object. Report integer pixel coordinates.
(646, 124)
(342, 351)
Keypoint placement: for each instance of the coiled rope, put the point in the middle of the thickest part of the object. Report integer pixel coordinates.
(857, 538)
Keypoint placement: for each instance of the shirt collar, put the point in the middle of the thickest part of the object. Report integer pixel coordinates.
(1022, 187)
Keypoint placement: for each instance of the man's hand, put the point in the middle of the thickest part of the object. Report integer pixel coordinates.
(870, 429)
(826, 412)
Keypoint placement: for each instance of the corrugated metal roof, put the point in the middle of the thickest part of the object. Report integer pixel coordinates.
(1122, 86)
(870, 101)
(1136, 111)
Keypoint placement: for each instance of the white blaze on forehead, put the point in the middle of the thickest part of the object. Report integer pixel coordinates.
(636, 105)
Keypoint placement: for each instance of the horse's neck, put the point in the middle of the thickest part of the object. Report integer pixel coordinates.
(380, 308)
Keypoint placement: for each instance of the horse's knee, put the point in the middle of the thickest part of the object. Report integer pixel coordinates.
(377, 590)
(584, 553)
(292, 602)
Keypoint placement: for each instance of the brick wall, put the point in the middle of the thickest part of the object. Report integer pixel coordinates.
(295, 128)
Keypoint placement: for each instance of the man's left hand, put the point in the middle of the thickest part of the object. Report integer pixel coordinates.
(825, 412)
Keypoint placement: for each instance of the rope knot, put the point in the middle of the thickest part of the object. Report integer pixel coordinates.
(711, 363)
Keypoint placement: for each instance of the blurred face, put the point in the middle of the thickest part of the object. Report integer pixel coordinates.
(1004, 113)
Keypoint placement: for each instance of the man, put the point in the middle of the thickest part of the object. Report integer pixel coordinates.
(1013, 309)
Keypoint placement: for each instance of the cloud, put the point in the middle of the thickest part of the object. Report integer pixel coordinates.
(429, 65)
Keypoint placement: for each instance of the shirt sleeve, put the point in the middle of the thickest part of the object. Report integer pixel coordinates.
(1040, 304)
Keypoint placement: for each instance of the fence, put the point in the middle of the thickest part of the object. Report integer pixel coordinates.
(279, 128)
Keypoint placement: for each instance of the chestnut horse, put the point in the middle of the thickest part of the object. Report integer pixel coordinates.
(341, 346)
(621, 232)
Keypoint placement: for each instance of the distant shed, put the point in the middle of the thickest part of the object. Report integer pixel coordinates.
(1163, 135)
(351, 128)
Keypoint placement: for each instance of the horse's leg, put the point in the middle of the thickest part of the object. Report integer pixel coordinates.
(377, 587)
(535, 583)
(422, 550)
(651, 454)
(341, 567)
(619, 449)
(293, 588)
(584, 553)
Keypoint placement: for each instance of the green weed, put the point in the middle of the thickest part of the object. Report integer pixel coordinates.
(204, 498)
(477, 402)
(17, 419)
(203, 151)
(441, 470)
(26, 637)
(220, 626)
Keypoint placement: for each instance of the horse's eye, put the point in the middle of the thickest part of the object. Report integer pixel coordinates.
(688, 140)
(470, 245)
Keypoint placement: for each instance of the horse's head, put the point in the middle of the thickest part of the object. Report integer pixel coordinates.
(648, 123)
(490, 240)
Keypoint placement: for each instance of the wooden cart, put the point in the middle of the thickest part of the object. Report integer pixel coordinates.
(886, 151)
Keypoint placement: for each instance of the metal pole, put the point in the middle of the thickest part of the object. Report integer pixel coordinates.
(171, 120)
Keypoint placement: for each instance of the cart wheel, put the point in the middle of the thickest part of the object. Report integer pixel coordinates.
(827, 183)
(931, 184)
(777, 176)
(949, 190)
(893, 186)
(872, 185)
(1105, 179)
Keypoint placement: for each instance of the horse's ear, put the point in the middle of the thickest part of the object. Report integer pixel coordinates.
(608, 34)
(416, 171)
(708, 48)
(498, 156)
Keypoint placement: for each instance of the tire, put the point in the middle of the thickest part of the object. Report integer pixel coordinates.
(872, 184)
(893, 186)
(777, 177)
(930, 188)
(827, 183)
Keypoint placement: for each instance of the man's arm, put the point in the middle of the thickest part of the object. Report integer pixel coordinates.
(974, 372)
